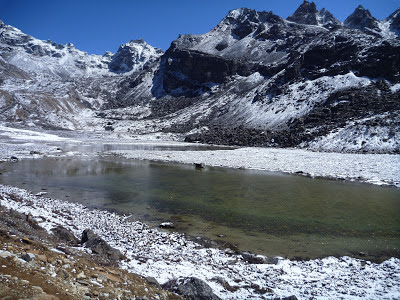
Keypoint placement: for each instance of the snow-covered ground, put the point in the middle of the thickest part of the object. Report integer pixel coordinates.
(167, 256)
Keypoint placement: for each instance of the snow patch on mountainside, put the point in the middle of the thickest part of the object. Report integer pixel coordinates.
(386, 31)
(357, 135)
(298, 99)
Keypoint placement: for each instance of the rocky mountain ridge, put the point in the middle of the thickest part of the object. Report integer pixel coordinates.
(255, 79)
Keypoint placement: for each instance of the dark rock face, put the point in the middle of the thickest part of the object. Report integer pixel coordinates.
(99, 246)
(192, 73)
(326, 55)
(362, 19)
(190, 288)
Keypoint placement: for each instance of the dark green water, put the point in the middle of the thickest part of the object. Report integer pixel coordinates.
(272, 214)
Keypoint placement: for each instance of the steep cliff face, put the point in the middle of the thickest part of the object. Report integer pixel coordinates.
(254, 79)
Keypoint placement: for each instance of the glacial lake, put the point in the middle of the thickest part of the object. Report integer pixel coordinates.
(266, 213)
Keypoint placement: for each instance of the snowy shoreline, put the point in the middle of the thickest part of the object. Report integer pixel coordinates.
(165, 256)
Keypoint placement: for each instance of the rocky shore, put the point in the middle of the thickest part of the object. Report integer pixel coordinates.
(176, 263)
(36, 264)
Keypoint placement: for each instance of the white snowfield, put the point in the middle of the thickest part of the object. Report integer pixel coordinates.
(167, 256)
(29, 135)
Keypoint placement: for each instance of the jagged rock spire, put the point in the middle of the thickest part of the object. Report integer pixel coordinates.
(362, 19)
(308, 14)
(305, 14)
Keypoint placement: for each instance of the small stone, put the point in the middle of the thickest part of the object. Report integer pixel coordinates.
(114, 272)
(167, 225)
(199, 165)
(83, 282)
(42, 257)
(5, 254)
(26, 241)
(81, 275)
(28, 257)
(63, 274)
(111, 277)
(66, 261)
(229, 251)
(40, 194)
(153, 282)
(37, 289)
(258, 259)
(23, 281)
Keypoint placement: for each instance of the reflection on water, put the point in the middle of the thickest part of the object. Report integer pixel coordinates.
(267, 213)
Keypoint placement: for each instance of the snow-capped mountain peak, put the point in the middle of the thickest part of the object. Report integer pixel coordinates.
(133, 56)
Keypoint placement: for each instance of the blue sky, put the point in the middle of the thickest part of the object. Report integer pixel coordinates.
(97, 26)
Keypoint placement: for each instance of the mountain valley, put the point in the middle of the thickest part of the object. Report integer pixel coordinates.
(255, 79)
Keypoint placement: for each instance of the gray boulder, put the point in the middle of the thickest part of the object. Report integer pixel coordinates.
(258, 259)
(100, 246)
(65, 235)
(190, 288)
